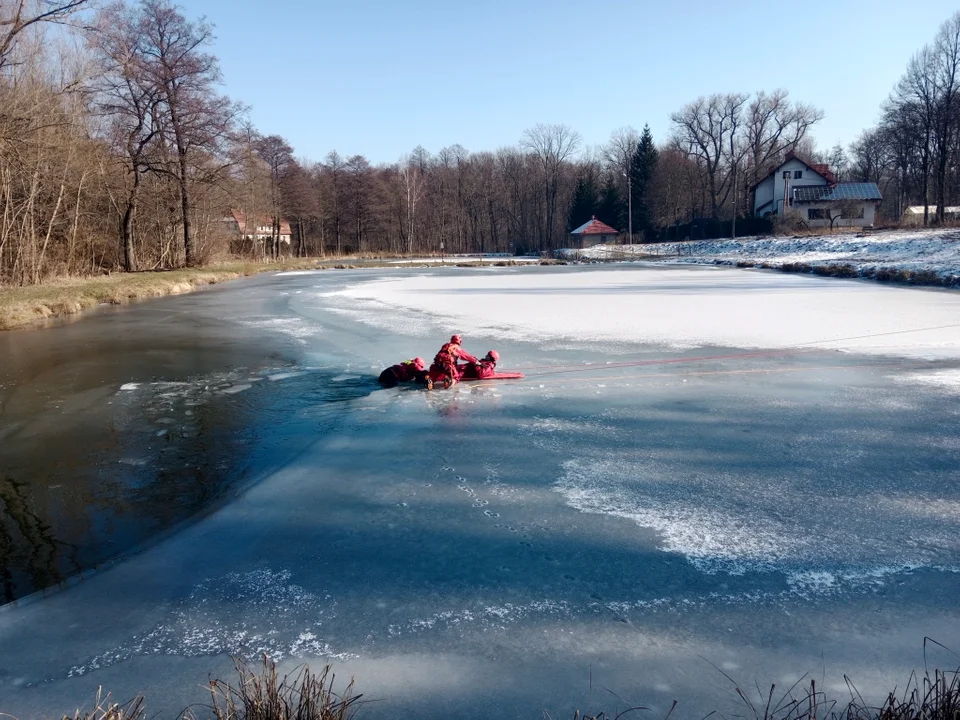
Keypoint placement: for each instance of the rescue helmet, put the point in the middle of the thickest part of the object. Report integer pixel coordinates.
(456, 339)
(494, 355)
(418, 363)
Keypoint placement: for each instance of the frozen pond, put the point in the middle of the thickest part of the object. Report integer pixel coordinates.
(755, 471)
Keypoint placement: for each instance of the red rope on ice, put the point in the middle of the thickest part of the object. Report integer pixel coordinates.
(794, 350)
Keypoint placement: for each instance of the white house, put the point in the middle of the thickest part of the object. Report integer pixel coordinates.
(812, 190)
(913, 215)
(257, 229)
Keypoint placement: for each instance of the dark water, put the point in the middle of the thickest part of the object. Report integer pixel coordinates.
(119, 427)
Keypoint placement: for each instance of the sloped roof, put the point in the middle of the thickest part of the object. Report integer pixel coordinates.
(240, 218)
(595, 227)
(820, 169)
(840, 191)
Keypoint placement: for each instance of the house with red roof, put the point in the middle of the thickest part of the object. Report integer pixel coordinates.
(592, 232)
(812, 190)
(257, 228)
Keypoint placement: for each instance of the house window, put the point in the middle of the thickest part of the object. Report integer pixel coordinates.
(797, 174)
(855, 215)
(815, 214)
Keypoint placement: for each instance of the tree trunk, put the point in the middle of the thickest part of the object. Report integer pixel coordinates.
(189, 252)
(126, 229)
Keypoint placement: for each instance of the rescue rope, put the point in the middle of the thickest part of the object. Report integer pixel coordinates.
(744, 371)
(798, 349)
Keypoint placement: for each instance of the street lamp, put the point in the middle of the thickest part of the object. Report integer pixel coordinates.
(733, 226)
(629, 206)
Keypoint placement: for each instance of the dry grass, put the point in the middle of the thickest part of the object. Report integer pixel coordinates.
(264, 695)
(104, 709)
(24, 306)
(934, 696)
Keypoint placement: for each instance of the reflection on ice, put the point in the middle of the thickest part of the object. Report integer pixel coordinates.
(948, 380)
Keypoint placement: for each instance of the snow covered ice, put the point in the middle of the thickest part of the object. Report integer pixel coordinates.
(757, 469)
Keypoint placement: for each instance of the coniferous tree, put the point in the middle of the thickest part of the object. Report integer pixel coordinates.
(643, 165)
(584, 205)
(612, 208)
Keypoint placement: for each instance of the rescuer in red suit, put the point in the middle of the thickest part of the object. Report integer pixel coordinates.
(486, 367)
(406, 371)
(444, 368)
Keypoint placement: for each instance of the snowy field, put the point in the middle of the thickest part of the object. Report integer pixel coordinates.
(473, 259)
(936, 251)
(704, 469)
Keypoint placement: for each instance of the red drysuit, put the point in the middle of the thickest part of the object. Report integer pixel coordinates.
(485, 368)
(445, 363)
(404, 372)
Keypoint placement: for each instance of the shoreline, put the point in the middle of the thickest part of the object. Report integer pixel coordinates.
(30, 306)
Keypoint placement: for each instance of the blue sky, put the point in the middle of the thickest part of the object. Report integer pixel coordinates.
(379, 77)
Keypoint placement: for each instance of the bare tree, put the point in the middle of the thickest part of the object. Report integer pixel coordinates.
(335, 169)
(843, 210)
(18, 16)
(914, 103)
(358, 174)
(775, 126)
(551, 146)
(946, 59)
(411, 176)
(707, 129)
(127, 97)
(196, 119)
(278, 155)
(299, 202)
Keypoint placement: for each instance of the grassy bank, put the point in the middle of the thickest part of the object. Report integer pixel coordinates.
(926, 278)
(25, 306)
(21, 307)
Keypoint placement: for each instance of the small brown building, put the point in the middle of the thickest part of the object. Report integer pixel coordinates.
(592, 233)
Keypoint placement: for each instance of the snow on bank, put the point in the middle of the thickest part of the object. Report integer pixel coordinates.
(916, 251)
(664, 306)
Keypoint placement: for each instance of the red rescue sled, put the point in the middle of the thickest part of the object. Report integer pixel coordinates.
(496, 376)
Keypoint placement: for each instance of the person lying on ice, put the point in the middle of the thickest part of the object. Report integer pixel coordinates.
(486, 367)
(406, 371)
(444, 368)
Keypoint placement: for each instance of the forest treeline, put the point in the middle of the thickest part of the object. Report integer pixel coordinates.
(118, 150)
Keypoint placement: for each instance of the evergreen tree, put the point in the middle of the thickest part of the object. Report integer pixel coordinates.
(613, 208)
(642, 168)
(584, 205)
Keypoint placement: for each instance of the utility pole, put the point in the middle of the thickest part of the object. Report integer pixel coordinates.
(629, 206)
(734, 226)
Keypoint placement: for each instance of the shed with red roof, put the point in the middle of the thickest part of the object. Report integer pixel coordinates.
(593, 232)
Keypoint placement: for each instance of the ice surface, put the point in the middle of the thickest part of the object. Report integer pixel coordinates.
(687, 471)
(948, 380)
(659, 306)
